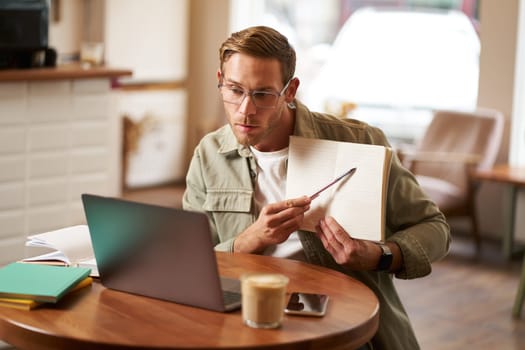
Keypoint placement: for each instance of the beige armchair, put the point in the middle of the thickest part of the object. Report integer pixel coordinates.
(454, 144)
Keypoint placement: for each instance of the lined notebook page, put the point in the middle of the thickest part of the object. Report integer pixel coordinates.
(356, 202)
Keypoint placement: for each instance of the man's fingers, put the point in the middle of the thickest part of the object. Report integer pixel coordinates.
(300, 202)
(334, 234)
(337, 230)
(297, 202)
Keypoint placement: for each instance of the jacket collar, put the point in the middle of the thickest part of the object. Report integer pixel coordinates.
(304, 122)
(229, 144)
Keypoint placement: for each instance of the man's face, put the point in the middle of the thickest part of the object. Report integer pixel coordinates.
(264, 128)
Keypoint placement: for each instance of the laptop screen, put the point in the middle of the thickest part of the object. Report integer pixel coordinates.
(154, 251)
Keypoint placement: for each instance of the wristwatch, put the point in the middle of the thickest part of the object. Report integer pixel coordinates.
(385, 261)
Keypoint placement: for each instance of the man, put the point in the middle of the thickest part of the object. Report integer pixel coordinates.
(238, 174)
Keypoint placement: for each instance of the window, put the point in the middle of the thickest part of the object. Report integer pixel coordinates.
(395, 66)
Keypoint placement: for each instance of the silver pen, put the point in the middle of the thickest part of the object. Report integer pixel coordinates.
(348, 173)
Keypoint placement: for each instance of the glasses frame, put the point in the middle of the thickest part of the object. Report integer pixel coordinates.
(252, 92)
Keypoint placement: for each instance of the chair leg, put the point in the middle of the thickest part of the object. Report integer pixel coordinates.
(520, 295)
(475, 231)
(472, 213)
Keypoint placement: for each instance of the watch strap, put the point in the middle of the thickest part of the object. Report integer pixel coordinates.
(385, 261)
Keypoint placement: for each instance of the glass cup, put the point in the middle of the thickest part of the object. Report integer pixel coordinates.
(92, 53)
(263, 299)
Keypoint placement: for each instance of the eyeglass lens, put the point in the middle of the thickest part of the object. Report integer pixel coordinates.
(261, 99)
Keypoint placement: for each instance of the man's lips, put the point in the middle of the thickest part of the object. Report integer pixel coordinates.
(246, 127)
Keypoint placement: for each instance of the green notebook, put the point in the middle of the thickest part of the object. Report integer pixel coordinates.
(39, 282)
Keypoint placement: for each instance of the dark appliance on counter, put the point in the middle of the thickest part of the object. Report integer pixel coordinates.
(24, 26)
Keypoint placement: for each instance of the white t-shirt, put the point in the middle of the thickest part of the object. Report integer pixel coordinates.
(270, 188)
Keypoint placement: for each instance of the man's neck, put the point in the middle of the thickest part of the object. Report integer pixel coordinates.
(281, 137)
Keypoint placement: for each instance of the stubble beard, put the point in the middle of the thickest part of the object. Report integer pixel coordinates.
(269, 128)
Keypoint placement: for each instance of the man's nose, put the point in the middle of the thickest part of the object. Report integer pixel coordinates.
(247, 105)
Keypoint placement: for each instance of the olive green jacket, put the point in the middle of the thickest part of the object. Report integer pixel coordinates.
(221, 179)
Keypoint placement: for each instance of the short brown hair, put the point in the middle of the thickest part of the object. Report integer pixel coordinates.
(261, 41)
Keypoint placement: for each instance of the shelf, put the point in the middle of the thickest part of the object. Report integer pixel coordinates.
(70, 71)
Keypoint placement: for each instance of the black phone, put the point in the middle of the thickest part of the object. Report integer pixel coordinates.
(307, 304)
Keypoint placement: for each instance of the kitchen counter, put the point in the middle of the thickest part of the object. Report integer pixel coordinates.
(70, 71)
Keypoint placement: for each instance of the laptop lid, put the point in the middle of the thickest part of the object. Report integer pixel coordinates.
(159, 252)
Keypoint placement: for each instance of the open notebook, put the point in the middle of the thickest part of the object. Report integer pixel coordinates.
(164, 253)
(357, 202)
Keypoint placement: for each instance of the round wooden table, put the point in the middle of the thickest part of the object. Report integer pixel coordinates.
(100, 318)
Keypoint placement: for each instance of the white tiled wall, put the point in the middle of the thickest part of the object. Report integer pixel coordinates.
(58, 139)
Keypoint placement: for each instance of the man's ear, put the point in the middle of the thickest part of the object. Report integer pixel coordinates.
(219, 74)
(292, 90)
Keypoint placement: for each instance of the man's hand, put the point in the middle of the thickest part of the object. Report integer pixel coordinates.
(356, 254)
(274, 225)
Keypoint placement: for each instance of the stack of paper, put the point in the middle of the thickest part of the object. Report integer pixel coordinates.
(26, 286)
(71, 246)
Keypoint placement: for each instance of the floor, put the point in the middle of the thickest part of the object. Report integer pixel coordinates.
(466, 303)
(169, 195)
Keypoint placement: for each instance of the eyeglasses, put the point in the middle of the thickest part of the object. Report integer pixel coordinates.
(232, 93)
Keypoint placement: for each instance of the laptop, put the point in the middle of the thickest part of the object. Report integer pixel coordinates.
(158, 252)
